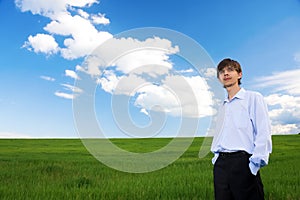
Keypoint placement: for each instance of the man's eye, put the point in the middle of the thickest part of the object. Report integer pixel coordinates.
(230, 69)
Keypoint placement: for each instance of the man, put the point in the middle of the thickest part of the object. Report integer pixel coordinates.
(242, 142)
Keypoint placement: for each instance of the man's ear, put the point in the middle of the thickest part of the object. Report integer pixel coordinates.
(240, 75)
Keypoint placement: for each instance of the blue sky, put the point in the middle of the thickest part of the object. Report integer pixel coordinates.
(44, 44)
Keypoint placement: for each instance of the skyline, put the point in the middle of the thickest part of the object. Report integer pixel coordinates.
(45, 44)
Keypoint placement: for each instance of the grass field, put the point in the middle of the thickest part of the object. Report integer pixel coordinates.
(64, 169)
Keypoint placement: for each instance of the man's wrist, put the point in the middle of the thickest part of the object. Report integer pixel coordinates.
(254, 168)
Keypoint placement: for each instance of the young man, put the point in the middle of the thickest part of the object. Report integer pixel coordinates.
(242, 142)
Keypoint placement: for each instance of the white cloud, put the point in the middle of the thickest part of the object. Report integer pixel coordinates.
(42, 43)
(280, 129)
(46, 8)
(68, 20)
(136, 63)
(71, 73)
(51, 8)
(72, 88)
(152, 51)
(79, 68)
(142, 58)
(83, 14)
(128, 54)
(47, 78)
(82, 45)
(143, 69)
(174, 95)
(65, 95)
(69, 88)
(143, 110)
(81, 3)
(190, 70)
(158, 98)
(284, 100)
(177, 96)
(84, 36)
(100, 19)
(286, 109)
(198, 90)
(109, 81)
(210, 72)
(64, 25)
(81, 36)
(287, 81)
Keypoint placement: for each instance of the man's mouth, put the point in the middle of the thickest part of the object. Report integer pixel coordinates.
(226, 79)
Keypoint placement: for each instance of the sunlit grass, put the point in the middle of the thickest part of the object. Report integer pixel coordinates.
(64, 169)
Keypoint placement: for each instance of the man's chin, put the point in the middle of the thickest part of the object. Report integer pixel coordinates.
(228, 85)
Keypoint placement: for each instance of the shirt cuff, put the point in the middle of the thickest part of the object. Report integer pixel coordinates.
(214, 159)
(253, 168)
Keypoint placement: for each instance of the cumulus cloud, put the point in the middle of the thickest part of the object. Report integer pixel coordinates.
(70, 22)
(83, 14)
(137, 59)
(284, 100)
(84, 37)
(42, 43)
(158, 98)
(128, 54)
(51, 8)
(80, 35)
(79, 68)
(100, 19)
(71, 73)
(178, 95)
(144, 70)
(285, 110)
(173, 95)
(284, 129)
(109, 82)
(122, 66)
(210, 72)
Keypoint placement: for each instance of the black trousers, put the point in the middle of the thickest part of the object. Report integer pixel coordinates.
(234, 180)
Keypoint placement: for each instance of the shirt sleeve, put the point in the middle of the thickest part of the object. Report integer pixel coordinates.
(214, 159)
(262, 135)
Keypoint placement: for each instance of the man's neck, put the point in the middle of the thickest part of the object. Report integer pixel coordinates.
(232, 90)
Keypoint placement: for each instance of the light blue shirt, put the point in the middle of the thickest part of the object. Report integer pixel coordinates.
(243, 124)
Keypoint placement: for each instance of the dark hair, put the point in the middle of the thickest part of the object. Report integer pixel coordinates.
(229, 62)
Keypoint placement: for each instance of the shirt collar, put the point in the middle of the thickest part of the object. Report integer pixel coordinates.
(240, 95)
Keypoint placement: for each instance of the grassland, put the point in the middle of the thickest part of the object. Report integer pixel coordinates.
(64, 169)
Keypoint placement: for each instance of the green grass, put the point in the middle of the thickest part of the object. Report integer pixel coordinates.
(64, 169)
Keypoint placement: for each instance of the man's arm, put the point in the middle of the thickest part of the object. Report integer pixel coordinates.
(262, 137)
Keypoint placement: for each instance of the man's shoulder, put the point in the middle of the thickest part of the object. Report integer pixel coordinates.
(252, 93)
(253, 96)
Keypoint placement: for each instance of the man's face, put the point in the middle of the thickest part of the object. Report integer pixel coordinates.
(229, 76)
